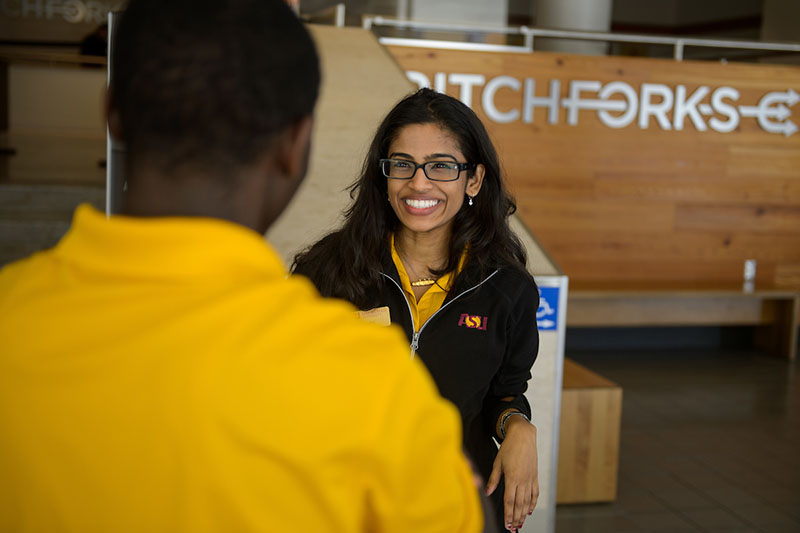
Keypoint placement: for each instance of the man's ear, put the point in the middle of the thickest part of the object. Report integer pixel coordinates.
(112, 116)
(293, 147)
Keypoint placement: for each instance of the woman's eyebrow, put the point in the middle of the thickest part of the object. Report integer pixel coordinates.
(430, 157)
(439, 156)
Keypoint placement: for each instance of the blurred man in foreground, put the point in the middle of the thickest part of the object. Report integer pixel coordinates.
(159, 372)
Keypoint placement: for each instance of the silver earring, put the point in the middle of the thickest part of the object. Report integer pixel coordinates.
(470, 200)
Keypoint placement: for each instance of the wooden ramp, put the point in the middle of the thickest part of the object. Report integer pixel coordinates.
(360, 83)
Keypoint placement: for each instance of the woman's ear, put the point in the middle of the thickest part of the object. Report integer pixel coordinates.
(474, 183)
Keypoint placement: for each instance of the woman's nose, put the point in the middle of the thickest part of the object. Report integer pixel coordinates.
(419, 181)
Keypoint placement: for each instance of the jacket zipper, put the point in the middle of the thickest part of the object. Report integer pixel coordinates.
(416, 334)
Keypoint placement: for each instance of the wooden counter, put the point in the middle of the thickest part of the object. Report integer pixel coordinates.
(774, 309)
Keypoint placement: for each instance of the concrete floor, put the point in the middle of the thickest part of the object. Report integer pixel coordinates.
(709, 442)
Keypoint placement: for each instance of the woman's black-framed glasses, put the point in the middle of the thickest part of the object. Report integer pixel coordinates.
(402, 169)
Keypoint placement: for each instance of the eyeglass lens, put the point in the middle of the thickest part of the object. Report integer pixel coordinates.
(435, 170)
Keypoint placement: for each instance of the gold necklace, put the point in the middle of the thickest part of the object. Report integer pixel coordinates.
(420, 282)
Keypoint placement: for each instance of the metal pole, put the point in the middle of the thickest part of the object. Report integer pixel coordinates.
(528, 36)
(679, 50)
(340, 15)
(531, 33)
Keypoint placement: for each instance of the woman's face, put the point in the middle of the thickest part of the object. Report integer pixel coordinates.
(423, 205)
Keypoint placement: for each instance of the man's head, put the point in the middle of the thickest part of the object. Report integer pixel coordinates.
(212, 92)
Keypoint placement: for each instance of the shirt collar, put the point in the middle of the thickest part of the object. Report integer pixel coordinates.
(445, 282)
(166, 247)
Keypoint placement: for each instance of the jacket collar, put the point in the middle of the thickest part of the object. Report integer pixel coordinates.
(470, 276)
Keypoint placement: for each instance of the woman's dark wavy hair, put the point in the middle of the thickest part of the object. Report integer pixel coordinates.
(347, 263)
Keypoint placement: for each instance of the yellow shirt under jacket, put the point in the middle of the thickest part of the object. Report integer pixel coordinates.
(433, 298)
(163, 374)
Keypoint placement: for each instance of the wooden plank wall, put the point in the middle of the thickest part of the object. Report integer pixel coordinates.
(633, 204)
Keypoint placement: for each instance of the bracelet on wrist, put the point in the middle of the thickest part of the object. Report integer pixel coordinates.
(505, 418)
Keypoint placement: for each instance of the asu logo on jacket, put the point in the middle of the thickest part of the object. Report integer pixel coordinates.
(473, 321)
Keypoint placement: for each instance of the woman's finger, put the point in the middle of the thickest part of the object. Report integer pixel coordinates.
(534, 497)
(509, 498)
(494, 477)
(521, 504)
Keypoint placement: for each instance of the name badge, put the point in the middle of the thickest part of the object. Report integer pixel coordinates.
(379, 315)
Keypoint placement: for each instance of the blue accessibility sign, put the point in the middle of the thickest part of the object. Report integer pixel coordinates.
(547, 314)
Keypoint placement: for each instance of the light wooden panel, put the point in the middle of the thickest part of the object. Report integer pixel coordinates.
(56, 99)
(612, 205)
(775, 312)
(588, 451)
(700, 310)
(360, 83)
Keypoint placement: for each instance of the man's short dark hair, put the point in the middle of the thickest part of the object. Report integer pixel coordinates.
(206, 85)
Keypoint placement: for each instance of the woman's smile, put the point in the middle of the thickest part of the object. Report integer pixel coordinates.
(421, 206)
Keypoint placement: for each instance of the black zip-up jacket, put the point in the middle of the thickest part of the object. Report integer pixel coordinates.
(479, 346)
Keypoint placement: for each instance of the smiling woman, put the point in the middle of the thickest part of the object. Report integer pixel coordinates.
(426, 202)
(427, 239)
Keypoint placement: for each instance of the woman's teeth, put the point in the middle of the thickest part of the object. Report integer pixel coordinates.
(420, 204)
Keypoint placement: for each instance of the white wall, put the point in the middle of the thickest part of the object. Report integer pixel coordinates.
(588, 15)
(460, 11)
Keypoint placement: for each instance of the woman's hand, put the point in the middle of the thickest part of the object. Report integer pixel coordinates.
(517, 460)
